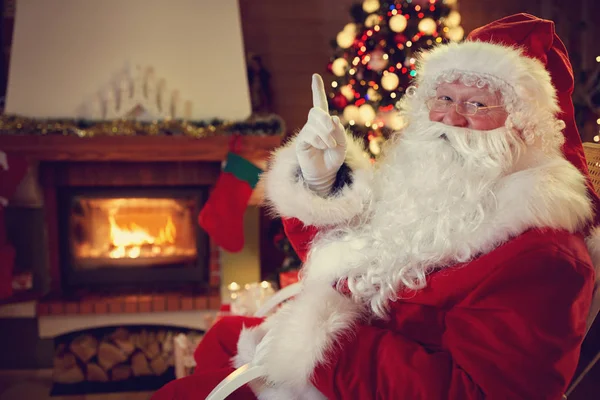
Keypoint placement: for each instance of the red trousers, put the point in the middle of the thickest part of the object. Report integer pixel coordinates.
(213, 363)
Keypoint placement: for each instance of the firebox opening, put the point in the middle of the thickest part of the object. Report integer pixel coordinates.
(130, 236)
(131, 231)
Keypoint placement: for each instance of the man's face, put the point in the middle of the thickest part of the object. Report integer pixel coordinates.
(460, 100)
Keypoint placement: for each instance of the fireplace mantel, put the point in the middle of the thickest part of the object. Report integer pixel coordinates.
(107, 161)
(136, 148)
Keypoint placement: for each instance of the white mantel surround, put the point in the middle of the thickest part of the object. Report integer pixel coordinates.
(51, 326)
(67, 54)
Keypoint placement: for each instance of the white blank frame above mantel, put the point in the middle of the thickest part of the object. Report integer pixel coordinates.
(66, 53)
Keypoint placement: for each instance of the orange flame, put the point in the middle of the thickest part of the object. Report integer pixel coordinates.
(127, 241)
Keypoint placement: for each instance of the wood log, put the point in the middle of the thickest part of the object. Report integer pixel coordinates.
(152, 350)
(84, 347)
(64, 360)
(71, 375)
(110, 355)
(125, 345)
(139, 365)
(95, 373)
(120, 333)
(151, 338)
(135, 340)
(120, 372)
(159, 365)
(170, 359)
(142, 339)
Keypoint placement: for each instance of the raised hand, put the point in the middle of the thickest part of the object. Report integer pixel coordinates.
(321, 144)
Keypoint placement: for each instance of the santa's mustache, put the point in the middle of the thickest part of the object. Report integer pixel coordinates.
(489, 147)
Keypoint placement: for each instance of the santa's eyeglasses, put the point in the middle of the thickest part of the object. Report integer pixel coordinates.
(463, 108)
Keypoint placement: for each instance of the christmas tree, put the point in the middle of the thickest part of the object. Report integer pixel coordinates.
(374, 60)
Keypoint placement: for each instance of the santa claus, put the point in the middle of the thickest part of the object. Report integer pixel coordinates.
(456, 267)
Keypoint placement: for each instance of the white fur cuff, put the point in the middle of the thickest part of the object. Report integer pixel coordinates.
(289, 196)
(246, 345)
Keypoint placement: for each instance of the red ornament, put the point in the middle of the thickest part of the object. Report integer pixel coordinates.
(339, 101)
(399, 38)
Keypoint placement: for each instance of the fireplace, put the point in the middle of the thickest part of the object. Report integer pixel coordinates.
(132, 236)
(130, 231)
(94, 191)
(118, 227)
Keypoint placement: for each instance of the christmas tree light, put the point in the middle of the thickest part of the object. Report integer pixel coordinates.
(374, 60)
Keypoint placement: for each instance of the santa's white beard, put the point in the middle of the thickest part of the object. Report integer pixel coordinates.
(433, 189)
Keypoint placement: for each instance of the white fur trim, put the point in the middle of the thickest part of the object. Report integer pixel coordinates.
(552, 194)
(548, 193)
(289, 196)
(329, 262)
(246, 345)
(302, 332)
(527, 76)
(526, 86)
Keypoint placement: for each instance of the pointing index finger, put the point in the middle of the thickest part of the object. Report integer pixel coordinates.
(318, 93)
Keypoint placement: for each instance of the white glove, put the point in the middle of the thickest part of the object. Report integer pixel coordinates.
(321, 144)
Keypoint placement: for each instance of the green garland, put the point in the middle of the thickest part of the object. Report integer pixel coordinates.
(270, 125)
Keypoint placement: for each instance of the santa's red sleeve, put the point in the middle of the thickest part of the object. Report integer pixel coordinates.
(299, 235)
(303, 211)
(516, 336)
(213, 363)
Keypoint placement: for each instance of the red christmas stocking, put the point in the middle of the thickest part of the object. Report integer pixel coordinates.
(222, 217)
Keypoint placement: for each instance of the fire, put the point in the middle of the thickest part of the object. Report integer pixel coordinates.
(128, 241)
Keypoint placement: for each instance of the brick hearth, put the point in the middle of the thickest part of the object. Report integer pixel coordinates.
(123, 304)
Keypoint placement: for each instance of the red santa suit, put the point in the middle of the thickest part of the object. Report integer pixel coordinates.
(500, 313)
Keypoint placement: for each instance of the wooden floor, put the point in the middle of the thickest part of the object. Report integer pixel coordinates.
(36, 385)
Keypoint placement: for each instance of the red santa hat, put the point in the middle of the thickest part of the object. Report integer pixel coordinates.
(523, 58)
(537, 39)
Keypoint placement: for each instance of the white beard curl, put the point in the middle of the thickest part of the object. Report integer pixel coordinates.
(433, 190)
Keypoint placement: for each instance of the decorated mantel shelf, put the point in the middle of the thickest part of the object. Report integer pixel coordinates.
(136, 148)
(137, 119)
